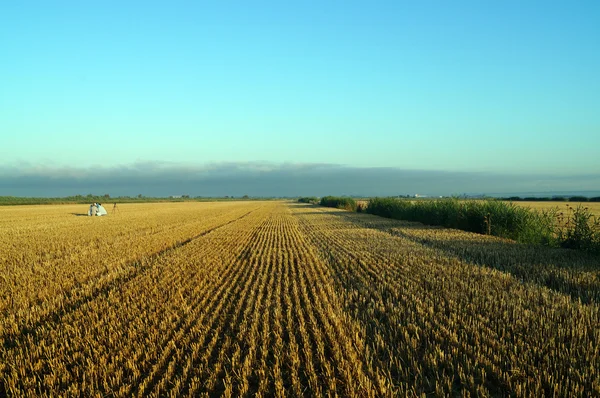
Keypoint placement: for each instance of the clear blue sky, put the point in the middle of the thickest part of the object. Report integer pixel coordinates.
(498, 86)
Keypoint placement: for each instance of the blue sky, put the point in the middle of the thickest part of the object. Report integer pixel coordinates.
(509, 87)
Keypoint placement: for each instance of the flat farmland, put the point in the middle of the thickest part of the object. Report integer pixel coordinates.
(285, 299)
(594, 207)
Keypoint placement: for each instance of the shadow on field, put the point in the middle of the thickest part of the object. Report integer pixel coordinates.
(79, 214)
(570, 272)
(296, 205)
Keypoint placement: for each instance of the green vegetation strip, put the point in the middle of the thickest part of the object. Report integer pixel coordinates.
(578, 230)
(309, 199)
(339, 202)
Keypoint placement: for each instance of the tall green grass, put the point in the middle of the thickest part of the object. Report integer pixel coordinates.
(507, 220)
(579, 229)
(308, 199)
(338, 202)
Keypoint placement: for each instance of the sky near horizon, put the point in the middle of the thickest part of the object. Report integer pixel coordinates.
(509, 87)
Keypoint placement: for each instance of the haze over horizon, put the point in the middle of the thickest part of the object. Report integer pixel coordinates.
(280, 99)
(264, 179)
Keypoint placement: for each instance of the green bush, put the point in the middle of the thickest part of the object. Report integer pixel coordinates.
(485, 217)
(308, 199)
(339, 202)
(581, 231)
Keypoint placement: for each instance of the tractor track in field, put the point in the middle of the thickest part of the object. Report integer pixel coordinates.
(78, 297)
(205, 310)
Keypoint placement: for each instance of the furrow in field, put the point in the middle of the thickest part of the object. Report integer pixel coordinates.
(172, 360)
(215, 359)
(297, 328)
(327, 340)
(342, 341)
(243, 359)
(202, 332)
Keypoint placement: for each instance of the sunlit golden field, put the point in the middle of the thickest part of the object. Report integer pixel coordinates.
(284, 299)
(594, 207)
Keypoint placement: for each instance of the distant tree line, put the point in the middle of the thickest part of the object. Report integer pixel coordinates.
(309, 199)
(552, 199)
(106, 198)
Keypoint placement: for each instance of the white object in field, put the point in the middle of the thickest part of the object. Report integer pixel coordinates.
(101, 211)
(97, 210)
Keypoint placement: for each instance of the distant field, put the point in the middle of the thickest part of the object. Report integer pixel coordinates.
(283, 299)
(562, 206)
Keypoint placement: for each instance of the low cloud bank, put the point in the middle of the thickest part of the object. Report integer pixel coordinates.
(269, 179)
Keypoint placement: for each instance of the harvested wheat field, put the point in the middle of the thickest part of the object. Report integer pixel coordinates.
(284, 299)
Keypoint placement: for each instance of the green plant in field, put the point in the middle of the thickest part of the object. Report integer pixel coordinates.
(339, 202)
(308, 199)
(579, 229)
